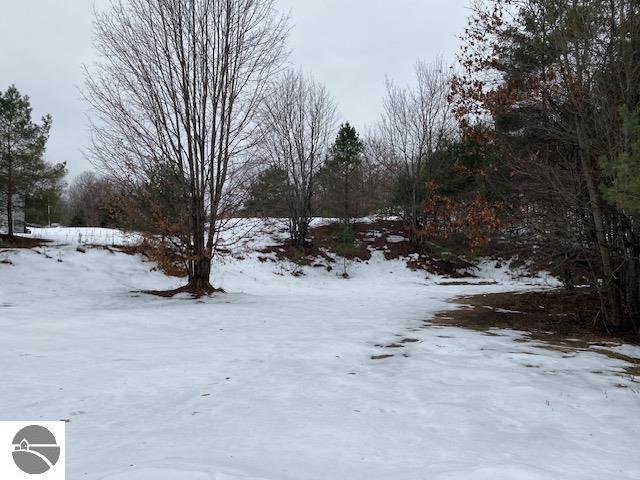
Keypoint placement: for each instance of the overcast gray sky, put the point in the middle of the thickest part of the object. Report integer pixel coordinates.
(349, 45)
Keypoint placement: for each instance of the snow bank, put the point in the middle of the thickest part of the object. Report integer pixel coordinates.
(276, 380)
(85, 235)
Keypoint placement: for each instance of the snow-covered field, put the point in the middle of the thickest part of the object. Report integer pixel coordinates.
(276, 381)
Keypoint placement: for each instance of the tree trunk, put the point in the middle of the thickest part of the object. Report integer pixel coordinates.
(612, 294)
(299, 230)
(346, 197)
(200, 263)
(199, 276)
(10, 211)
(9, 193)
(633, 286)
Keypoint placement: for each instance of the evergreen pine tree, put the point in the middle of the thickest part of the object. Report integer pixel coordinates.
(624, 170)
(346, 158)
(22, 145)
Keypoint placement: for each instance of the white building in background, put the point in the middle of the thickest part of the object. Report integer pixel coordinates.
(18, 214)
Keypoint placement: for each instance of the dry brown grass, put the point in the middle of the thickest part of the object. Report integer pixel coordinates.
(169, 261)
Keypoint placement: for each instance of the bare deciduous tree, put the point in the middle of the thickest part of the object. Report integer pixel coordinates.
(415, 125)
(87, 201)
(176, 89)
(298, 119)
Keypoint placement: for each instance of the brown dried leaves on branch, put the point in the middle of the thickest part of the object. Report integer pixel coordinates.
(475, 218)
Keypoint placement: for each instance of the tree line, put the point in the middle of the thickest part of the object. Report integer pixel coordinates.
(548, 100)
(531, 140)
(198, 119)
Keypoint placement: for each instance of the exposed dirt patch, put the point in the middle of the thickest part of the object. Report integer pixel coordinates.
(186, 289)
(561, 321)
(301, 256)
(380, 357)
(556, 313)
(409, 340)
(21, 242)
(389, 237)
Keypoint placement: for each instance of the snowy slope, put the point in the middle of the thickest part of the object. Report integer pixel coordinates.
(275, 380)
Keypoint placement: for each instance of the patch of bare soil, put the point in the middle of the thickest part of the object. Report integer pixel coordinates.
(313, 255)
(195, 293)
(561, 320)
(21, 242)
(386, 236)
(381, 357)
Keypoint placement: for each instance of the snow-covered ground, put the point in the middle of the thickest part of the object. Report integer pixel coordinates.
(276, 381)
